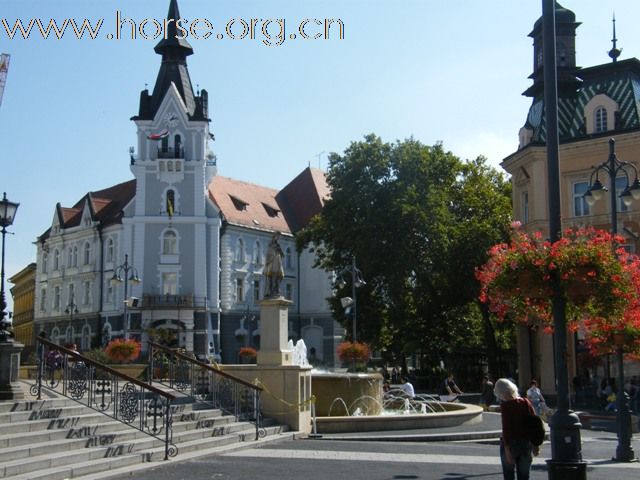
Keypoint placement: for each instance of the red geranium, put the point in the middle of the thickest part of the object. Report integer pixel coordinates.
(123, 351)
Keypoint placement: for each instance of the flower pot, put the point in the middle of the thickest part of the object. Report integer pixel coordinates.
(581, 287)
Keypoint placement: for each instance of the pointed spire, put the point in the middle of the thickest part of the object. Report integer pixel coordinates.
(614, 53)
(172, 39)
(173, 69)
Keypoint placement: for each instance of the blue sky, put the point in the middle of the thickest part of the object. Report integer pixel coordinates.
(450, 71)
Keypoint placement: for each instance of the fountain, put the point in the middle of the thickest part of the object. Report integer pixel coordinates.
(353, 402)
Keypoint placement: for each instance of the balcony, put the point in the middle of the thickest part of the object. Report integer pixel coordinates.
(171, 152)
(167, 301)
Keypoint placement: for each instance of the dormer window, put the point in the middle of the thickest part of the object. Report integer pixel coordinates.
(599, 114)
(56, 259)
(272, 212)
(240, 205)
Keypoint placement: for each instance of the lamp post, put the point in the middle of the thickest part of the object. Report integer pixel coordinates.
(7, 214)
(118, 278)
(566, 446)
(71, 310)
(612, 166)
(356, 282)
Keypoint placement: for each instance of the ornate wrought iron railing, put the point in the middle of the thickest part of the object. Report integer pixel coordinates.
(119, 396)
(206, 383)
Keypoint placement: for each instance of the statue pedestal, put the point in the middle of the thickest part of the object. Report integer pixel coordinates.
(274, 332)
(10, 371)
(287, 395)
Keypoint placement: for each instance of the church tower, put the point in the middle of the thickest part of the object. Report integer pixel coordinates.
(173, 228)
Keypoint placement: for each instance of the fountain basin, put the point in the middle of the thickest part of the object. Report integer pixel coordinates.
(454, 414)
(365, 388)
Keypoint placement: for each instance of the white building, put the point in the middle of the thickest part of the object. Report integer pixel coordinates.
(195, 240)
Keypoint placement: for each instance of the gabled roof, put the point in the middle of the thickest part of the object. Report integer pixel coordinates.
(303, 197)
(106, 205)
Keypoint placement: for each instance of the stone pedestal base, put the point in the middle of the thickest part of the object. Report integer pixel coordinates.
(287, 392)
(274, 332)
(10, 371)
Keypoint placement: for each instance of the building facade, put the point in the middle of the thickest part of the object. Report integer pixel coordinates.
(23, 294)
(179, 248)
(595, 104)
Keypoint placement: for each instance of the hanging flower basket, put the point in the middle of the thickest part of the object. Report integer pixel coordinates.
(599, 279)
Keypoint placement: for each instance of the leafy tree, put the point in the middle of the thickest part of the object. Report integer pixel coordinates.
(419, 221)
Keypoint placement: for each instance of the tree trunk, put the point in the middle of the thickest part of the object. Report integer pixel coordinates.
(490, 342)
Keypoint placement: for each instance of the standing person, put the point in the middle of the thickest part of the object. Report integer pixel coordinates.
(487, 398)
(515, 449)
(535, 397)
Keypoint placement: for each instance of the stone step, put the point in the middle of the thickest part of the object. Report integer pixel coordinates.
(30, 404)
(39, 457)
(47, 412)
(200, 452)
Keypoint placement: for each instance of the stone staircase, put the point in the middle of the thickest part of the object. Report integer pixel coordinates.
(57, 438)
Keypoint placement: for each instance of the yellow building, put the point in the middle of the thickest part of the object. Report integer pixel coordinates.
(23, 294)
(595, 104)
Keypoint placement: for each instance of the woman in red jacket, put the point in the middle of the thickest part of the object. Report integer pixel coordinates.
(515, 449)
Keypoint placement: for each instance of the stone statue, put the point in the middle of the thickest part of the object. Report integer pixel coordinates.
(273, 270)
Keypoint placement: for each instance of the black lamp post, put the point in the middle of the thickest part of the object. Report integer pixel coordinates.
(566, 446)
(613, 166)
(356, 282)
(118, 278)
(71, 310)
(7, 214)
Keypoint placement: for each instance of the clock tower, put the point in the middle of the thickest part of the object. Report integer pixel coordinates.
(172, 230)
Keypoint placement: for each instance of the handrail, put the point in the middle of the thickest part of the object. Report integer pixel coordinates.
(106, 368)
(205, 365)
(106, 390)
(207, 383)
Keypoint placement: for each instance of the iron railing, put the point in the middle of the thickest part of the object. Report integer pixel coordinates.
(119, 396)
(206, 383)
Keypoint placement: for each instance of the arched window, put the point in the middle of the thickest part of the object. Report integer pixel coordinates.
(69, 335)
(165, 144)
(600, 120)
(257, 255)
(170, 243)
(45, 259)
(56, 259)
(110, 250)
(56, 298)
(85, 341)
(55, 334)
(69, 257)
(240, 251)
(74, 259)
(87, 253)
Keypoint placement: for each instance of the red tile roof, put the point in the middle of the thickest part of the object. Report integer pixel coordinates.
(223, 191)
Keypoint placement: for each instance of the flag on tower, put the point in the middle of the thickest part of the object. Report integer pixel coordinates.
(4, 68)
(158, 136)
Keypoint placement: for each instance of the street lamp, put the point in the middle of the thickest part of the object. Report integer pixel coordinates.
(350, 303)
(71, 310)
(613, 166)
(118, 278)
(7, 214)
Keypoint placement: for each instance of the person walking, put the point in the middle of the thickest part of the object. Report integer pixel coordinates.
(516, 451)
(534, 395)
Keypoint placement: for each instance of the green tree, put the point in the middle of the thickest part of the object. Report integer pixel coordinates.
(418, 220)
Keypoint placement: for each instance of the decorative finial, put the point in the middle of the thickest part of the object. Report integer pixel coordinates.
(614, 53)
(197, 89)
